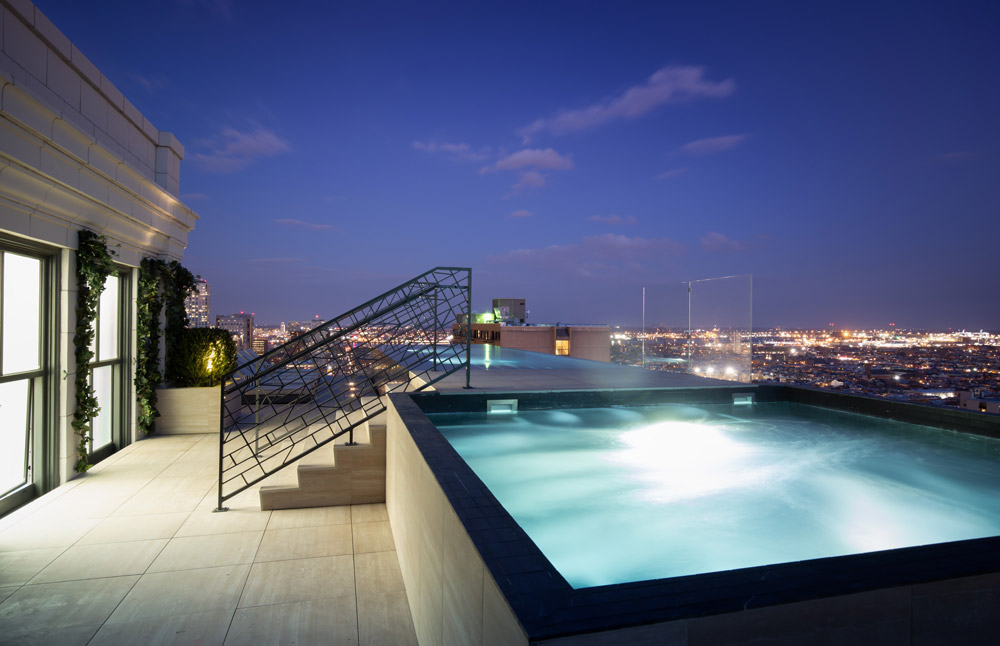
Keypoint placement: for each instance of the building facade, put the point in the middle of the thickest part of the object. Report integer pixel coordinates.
(591, 342)
(75, 154)
(198, 304)
(240, 326)
(976, 401)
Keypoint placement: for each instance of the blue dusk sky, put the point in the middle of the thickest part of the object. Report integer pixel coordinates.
(845, 154)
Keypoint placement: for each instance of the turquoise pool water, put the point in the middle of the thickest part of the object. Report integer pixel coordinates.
(612, 495)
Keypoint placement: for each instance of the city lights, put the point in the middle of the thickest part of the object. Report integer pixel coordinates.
(943, 368)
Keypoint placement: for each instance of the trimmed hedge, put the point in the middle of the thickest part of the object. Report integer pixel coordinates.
(202, 357)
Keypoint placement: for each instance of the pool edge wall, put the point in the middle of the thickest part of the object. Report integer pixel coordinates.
(455, 597)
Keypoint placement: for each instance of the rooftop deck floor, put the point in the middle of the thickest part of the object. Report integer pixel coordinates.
(132, 553)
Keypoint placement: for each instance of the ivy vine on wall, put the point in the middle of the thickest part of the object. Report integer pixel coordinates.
(177, 285)
(149, 304)
(94, 263)
(163, 286)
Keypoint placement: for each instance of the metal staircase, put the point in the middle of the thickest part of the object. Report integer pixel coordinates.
(327, 382)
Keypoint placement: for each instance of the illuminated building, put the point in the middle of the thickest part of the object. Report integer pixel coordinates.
(975, 401)
(198, 304)
(240, 326)
(578, 341)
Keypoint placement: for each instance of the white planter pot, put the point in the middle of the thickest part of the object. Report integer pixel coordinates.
(188, 410)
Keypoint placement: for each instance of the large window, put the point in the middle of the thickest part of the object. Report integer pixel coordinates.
(22, 368)
(108, 368)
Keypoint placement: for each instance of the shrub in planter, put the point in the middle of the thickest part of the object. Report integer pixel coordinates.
(202, 356)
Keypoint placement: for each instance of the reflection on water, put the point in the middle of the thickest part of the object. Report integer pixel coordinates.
(625, 494)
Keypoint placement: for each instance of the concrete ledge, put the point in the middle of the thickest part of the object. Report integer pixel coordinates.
(188, 410)
(453, 596)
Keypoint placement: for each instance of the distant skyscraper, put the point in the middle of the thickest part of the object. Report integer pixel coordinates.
(240, 326)
(198, 303)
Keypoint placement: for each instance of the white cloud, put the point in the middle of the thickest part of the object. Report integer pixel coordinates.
(527, 163)
(528, 179)
(612, 219)
(458, 151)
(671, 84)
(542, 159)
(521, 213)
(713, 144)
(667, 174)
(232, 150)
(151, 84)
(714, 241)
(301, 224)
(607, 255)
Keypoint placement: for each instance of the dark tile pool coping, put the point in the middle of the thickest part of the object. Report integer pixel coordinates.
(548, 607)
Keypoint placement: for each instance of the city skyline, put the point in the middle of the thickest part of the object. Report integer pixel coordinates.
(845, 156)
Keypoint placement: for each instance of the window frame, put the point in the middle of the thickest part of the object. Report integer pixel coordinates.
(120, 406)
(43, 391)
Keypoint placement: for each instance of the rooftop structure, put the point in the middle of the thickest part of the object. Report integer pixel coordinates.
(506, 327)
(510, 311)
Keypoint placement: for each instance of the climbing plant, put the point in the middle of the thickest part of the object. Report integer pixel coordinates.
(94, 263)
(163, 286)
(149, 303)
(178, 284)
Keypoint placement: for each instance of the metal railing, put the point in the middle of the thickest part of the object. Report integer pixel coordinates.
(325, 383)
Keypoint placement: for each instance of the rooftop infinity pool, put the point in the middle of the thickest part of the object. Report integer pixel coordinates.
(621, 494)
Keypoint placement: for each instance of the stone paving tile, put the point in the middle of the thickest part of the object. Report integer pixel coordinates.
(373, 537)
(277, 582)
(370, 513)
(103, 560)
(304, 623)
(305, 542)
(296, 518)
(196, 552)
(69, 612)
(17, 568)
(120, 529)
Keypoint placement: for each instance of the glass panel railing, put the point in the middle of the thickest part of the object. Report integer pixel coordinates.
(720, 325)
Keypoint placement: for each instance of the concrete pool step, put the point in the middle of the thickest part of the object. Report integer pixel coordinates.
(356, 476)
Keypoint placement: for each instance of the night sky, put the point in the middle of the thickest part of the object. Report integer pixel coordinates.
(845, 154)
